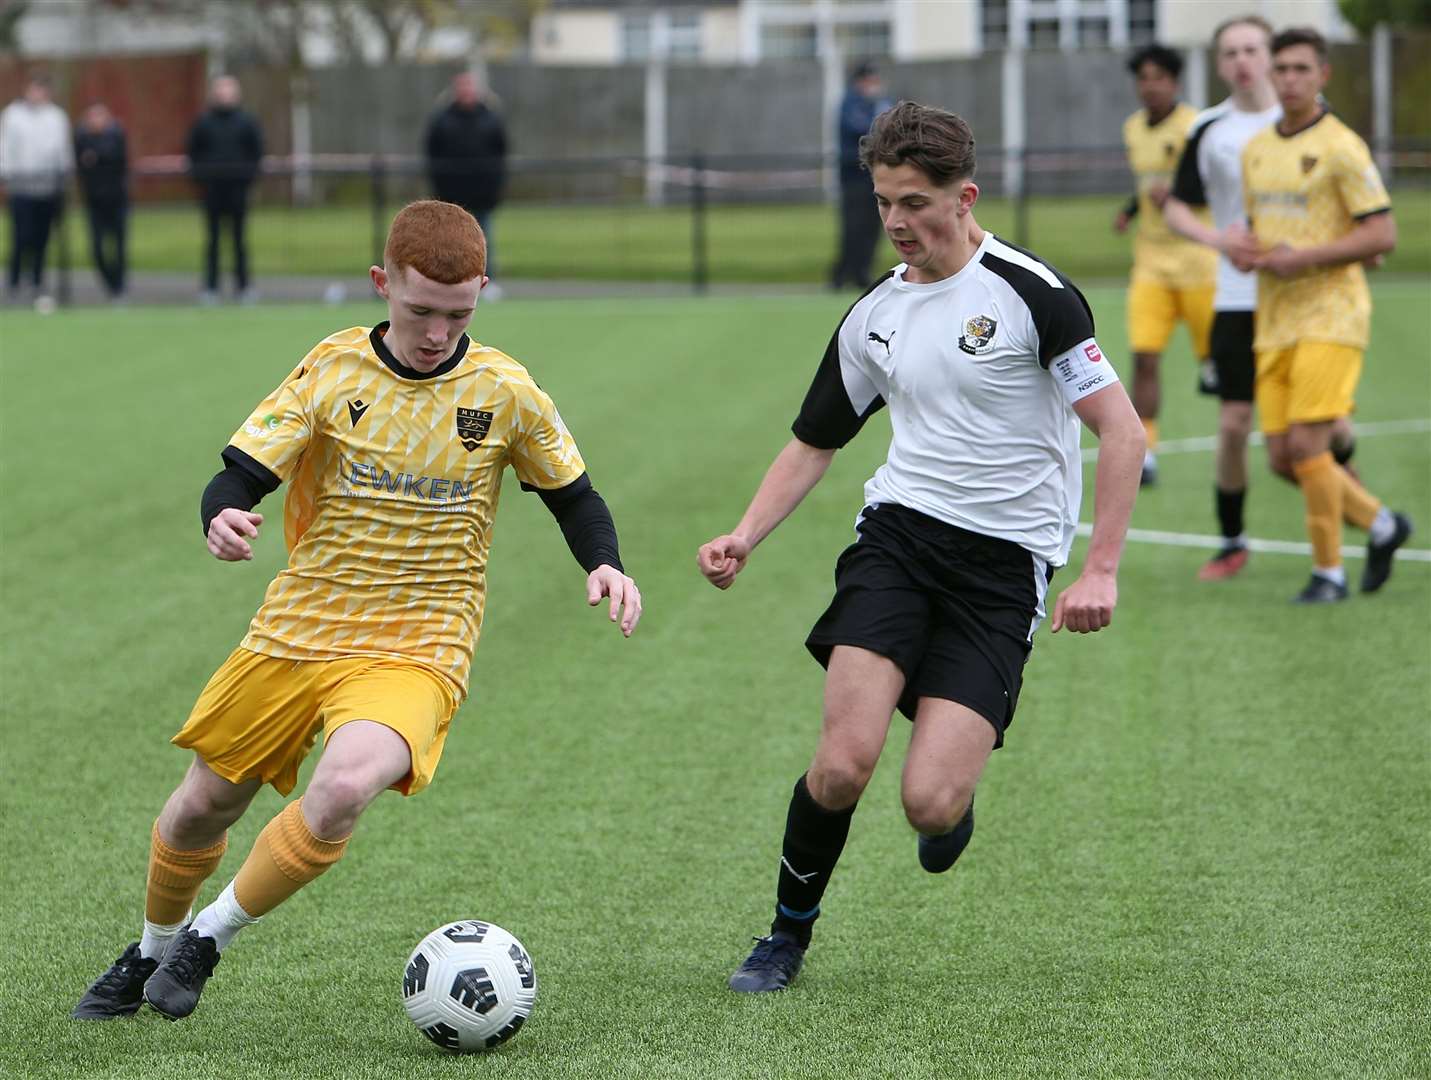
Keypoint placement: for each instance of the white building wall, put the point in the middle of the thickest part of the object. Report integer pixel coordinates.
(62, 30)
(925, 31)
(1191, 22)
(576, 37)
(721, 36)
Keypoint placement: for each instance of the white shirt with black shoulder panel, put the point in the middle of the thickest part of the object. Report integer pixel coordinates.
(980, 372)
(1209, 173)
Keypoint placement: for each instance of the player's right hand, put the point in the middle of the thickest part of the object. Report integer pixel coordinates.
(722, 558)
(227, 531)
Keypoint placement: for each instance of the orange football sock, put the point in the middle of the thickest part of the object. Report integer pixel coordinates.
(1359, 506)
(175, 878)
(1321, 483)
(285, 857)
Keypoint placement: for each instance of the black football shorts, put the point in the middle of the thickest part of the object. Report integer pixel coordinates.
(1232, 355)
(955, 610)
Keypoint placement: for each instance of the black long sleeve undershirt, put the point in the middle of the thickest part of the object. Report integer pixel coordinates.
(241, 484)
(585, 521)
(580, 511)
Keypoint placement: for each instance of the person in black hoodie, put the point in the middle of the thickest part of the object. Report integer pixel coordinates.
(225, 146)
(467, 154)
(102, 165)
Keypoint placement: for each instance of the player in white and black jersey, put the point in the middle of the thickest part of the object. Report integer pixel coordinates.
(986, 358)
(1210, 174)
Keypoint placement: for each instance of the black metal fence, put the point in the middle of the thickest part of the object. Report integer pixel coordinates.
(696, 218)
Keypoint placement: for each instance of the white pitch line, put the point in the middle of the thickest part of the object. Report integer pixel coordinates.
(1204, 443)
(1275, 547)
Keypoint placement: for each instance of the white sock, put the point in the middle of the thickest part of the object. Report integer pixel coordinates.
(154, 942)
(1383, 526)
(1331, 573)
(222, 919)
(1150, 460)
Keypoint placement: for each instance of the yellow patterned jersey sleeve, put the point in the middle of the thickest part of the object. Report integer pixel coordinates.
(1306, 190)
(277, 432)
(393, 479)
(1159, 254)
(544, 455)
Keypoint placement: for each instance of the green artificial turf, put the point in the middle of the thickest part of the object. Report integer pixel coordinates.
(1202, 853)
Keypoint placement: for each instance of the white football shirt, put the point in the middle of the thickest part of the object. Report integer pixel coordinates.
(980, 372)
(1210, 174)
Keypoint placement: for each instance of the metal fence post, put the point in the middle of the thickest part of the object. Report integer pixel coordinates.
(1021, 199)
(64, 293)
(700, 271)
(377, 182)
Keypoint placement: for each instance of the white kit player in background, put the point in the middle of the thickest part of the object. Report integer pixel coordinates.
(1210, 174)
(986, 358)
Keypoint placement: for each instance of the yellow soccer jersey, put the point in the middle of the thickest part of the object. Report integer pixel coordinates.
(393, 477)
(1159, 254)
(1304, 190)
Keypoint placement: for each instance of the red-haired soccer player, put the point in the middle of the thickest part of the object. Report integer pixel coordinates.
(393, 441)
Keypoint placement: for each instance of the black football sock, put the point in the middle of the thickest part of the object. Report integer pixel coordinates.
(814, 838)
(1229, 514)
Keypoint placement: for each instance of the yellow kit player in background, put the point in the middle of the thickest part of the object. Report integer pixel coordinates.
(1173, 278)
(393, 441)
(1317, 209)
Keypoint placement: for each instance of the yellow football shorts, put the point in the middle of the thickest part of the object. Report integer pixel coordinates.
(1306, 383)
(1154, 310)
(259, 715)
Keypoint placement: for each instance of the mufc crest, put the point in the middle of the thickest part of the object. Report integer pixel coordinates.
(978, 332)
(472, 427)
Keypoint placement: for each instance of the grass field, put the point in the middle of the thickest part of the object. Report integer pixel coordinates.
(794, 243)
(1203, 853)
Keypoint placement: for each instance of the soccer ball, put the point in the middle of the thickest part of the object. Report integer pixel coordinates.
(469, 986)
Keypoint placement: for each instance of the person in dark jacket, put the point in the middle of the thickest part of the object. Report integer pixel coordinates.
(102, 166)
(225, 147)
(859, 216)
(467, 155)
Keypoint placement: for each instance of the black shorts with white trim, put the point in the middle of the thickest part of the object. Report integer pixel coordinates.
(956, 610)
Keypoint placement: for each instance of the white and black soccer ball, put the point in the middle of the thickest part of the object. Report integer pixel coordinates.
(469, 986)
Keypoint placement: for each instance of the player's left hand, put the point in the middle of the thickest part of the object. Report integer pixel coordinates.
(1086, 606)
(625, 597)
(1281, 260)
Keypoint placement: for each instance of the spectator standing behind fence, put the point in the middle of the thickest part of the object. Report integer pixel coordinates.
(102, 166)
(225, 147)
(859, 216)
(467, 158)
(35, 159)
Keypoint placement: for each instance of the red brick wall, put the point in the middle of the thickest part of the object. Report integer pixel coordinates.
(155, 97)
